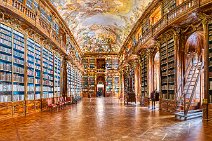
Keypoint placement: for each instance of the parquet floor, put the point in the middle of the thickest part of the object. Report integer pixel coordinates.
(103, 119)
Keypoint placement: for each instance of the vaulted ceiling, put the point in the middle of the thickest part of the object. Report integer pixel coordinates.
(100, 25)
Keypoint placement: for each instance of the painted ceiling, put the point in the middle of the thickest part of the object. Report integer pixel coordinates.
(100, 25)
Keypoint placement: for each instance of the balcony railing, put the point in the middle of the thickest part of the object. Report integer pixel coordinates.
(172, 15)
(34, 19)
(27, 12)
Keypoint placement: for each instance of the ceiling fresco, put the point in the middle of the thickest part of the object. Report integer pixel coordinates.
(100, 25)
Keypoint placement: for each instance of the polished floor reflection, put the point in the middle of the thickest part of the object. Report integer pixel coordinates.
(103, 119)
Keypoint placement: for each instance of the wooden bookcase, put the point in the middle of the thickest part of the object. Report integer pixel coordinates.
(109, 85)
(144, 86)
(116, 85)
(30, 73)
(144, 83)
(167, 65)
(48, 74)
(210, 61)
(91, 85)
(68, 80)
(167, 69)
(57, 77)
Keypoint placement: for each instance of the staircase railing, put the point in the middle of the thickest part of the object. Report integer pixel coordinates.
(194, 88)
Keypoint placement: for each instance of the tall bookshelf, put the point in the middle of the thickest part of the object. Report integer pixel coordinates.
(57, 67)
(126, 82)
(115, 64)
(18, 66)
(68, 80)
(144, 86)
(92, 63)
(132, 80)
(109, 64)
(85, 63)
(167, 69)
(116, 84)
(30, 68)
(85, 83)
(91, 85)
(47, 73)
(109, 85)
(72, 81)
(38, 53)
(78, 81)
(5, 64)
(210, 61)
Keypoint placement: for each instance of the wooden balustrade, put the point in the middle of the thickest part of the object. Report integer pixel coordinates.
(172, 15)
(40, 23)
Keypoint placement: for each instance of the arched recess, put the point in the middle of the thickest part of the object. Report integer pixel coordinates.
(156, 71)
(100, 87)
(194, 53)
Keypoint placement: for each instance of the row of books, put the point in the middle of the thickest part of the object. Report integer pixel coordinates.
(168, 87)
(5, 29)
(30, 88)
(18, 61)
(5, 67)
(18, 54)
(18, 88)
(6, 40)
(45, 88)
(5, 76)
(19, 48)
(18, 78)
(48, 95)
(30, 80)
(5, 98)
(6, 57)
(18, 69)
(6, 50)
(18, 97)
(47, 82)
(30, 72)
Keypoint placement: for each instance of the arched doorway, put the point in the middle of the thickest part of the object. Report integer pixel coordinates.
(100, 87)
(194, 55)
(157, 71)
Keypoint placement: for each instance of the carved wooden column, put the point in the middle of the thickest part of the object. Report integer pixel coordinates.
(150, 70)
(178, 62)
(206, 73)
